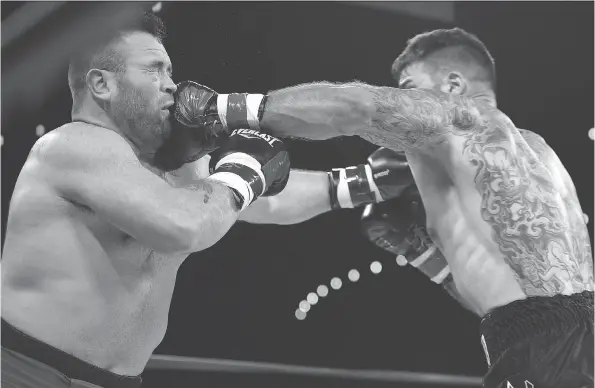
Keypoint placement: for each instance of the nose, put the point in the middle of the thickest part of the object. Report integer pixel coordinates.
(169, 86)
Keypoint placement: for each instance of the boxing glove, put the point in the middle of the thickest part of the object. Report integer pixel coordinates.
(216, 114)
(385, 175)
(253, 164)
(398, 226)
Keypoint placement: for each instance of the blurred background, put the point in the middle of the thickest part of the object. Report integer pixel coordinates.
(238, 299)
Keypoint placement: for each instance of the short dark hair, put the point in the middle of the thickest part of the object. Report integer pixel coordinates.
(103, 54)
(471, 50)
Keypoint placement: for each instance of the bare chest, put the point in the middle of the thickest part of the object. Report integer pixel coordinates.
(124, 251)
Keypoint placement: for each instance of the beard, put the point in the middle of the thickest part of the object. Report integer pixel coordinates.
(139, 116)
(163, 144)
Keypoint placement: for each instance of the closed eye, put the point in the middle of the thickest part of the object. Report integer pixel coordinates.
(161, 66)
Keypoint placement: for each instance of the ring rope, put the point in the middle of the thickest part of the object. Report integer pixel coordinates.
(167, 362)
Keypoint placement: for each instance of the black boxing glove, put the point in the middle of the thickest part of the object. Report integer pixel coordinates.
(398, 226)
(385, 176)
(251, 163)
(201, 107)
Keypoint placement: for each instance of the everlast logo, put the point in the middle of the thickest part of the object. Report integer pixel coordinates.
(381, 173)
(252, 134)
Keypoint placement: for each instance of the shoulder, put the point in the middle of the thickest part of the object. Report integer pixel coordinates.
(74, 144)
(537, 143)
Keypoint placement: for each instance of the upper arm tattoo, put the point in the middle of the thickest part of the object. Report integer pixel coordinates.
(533, 225)
(203, 186)
(413, 118)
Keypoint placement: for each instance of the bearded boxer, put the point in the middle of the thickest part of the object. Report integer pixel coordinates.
(500, 206)
(107, 207)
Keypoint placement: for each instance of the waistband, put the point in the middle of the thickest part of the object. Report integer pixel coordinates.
(525, 319)
(72, 367)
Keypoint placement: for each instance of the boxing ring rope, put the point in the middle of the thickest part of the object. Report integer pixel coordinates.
(194, 364)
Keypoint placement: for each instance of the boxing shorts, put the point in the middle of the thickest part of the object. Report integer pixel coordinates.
(30, 363)
(540, 342)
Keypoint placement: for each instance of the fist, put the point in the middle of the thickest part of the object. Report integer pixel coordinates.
(390, 171)
(260, 161)
(398, 225)
(385, 176)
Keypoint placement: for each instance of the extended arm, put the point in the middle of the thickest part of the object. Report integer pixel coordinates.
(389, 117)
(310, 193)
(305, 196)
(100, 171)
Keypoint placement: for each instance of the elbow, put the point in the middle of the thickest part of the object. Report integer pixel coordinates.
(357, 111)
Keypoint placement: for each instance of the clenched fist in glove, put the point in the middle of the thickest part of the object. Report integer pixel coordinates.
(385, 176)
(251, 163)
(399, 226)
(216, 115)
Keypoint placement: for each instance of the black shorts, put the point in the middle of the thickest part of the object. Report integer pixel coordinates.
(30, 363)
(540, 342)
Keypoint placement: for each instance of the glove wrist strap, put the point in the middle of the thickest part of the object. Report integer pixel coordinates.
(242, 173)
(352, 186)
(240, 110)
(240, 188)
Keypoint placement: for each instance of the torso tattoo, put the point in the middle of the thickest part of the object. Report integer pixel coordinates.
(536, 220)
(534, 225)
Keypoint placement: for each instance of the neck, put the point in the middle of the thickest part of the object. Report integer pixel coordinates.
(485, 96)
(100, 119)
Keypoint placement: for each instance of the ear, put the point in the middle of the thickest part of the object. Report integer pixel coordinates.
(101, 84)
(454, 83)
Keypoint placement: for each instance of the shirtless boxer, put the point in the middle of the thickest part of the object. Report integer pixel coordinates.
(98, 224)
(502, 209)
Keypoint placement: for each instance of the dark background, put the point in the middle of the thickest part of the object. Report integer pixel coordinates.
(237, 300)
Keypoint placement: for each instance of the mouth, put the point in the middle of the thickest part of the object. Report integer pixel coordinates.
(168, 106)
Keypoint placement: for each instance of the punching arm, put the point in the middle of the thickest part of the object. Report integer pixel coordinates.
(393, 118)
(305, 196)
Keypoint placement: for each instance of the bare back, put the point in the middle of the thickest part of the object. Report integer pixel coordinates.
(75, 281)
(504, 211)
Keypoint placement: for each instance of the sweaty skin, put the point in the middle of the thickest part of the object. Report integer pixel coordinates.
(506, 218)
(94, 236)
(76, 281)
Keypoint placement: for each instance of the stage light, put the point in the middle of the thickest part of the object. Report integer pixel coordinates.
(336, 283)
(322, 291)
(353, 275)
(40, 130)
(376, 267)
(304, 306)
(300, 315)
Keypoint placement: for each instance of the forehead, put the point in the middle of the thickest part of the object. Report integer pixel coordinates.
(141, 47)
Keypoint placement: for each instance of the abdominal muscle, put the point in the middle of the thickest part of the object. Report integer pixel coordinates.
(481, 275)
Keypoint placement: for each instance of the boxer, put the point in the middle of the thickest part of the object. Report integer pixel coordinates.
(107, 207)
(500, 206)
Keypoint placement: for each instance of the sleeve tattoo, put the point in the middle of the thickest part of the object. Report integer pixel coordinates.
(410, 119)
